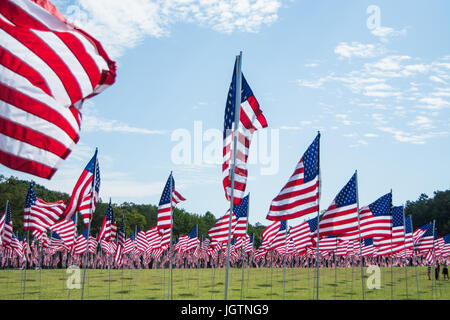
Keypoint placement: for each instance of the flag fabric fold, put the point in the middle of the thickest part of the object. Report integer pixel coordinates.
(251, 119)
(48, 68)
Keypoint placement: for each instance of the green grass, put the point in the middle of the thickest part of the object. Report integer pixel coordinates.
(208, 284)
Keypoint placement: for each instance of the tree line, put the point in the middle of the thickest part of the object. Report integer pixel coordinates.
(144, 216)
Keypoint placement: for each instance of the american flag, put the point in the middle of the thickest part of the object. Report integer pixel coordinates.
(56, 243)
(40, 215)
(189, 241)
(395, 242)
(219, 232)
(67, 230)
(85, 193)
(241, 213)
(118, 258)
(328, 243)
(446, 248)
(268, 235)
(106, 246)
(368, 248)
(129, 245)
(16, 246)
(248, 246)
(6, 226)
(280, 237)
(300, 195)
(153, 238)
(343, 247)
(92, 244)
(81, 243)
(48, 68)
(105, 231)
(376, 218)
(418, 233)
(206, 243)
(302, 233)
(409, 244)
(121, 234)
(426, 240)
(165, 238)
(141, 241)
(166, 205)
(251, 119)
(342, 215)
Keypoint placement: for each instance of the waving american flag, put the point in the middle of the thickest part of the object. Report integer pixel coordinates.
(86, 192)
(48, 68)
(300, 195)
(342, 215)
(251, 119)
(169, 199)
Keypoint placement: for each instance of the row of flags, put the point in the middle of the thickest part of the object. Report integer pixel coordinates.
(49, 67)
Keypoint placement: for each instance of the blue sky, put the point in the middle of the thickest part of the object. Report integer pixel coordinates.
(374, 82)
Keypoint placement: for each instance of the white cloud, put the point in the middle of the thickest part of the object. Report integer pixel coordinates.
(370, 135)
(437, 79)
(356, 49)
(91, 122)
(433, 103)
(311, 65)
(422, 122)
(384, 32)
(121, 25)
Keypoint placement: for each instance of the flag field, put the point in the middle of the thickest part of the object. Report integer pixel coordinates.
(208, 284)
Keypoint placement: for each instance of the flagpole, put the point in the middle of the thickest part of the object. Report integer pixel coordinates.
(285, 258)
(248, 264)
(359, 232)
(233, 163)
(94, 178)
(406, 259)
(242, 248)
(170, 288)
(434, 264)
(392, 260)
(415, 262)
(318, 228)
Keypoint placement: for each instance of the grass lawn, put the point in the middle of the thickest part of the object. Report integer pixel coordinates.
(208, 284)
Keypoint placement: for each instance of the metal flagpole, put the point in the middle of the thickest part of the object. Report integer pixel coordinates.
(86, 257)
(318, 228)
(433, 285)
(248, 264)
(233, 163)
(285, 260)
(406, 259)
(170, 289)
(415, 263)
(242, 248)
(359, 231)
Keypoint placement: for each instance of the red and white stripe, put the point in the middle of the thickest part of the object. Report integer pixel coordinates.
(80, 245)
(374, 226)
(297, 198)
(301, 235)
(43, 215)
(251, 119)
(48, 68)
(219, 232)
(66, 230)
(343, 220)
(164, 211)
(153, 238)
